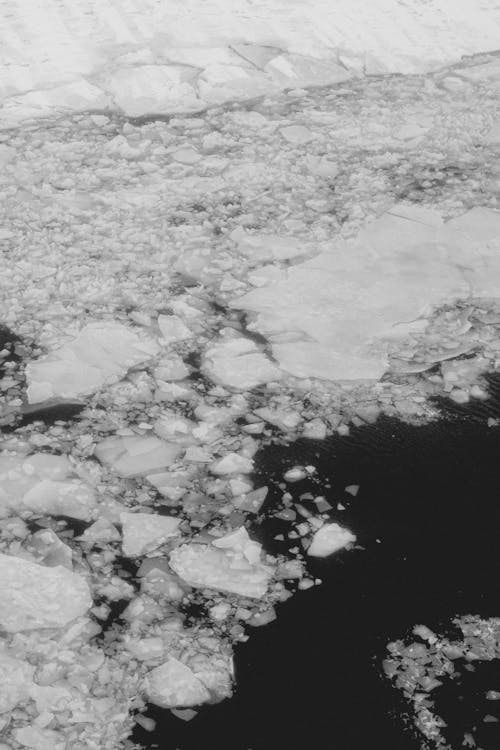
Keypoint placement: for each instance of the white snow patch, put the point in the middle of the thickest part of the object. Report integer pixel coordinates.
(100, 355)
(329, 539)
(144, 532)
(34, 596)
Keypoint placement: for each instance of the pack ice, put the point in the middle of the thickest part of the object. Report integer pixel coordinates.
(333, 316)
(100, 355)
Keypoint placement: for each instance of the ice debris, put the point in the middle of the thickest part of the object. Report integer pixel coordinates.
(238, 363)
(132, 456)
(43, 483)
(229, 564)
(16, 678)
(261, 248)
(329, 539)
(232, 463)
(173, 329)
(144, 532)
(174, 684)
(34, 596)
(100, 355)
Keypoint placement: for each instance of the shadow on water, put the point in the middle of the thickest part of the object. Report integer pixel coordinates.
(427, 517)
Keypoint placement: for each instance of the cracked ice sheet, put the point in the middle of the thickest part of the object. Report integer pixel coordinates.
(332, 317)
(100, 355)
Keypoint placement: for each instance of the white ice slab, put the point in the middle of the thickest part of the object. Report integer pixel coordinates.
(100, 355)
(229, 564)
(173, 684)
(144, 532)
(133, 456)
(16, 678)
(332, 317)
(238, 363)
(34, 596)
(329, 539)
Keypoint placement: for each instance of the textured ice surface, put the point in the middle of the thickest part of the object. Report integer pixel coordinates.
(238, 363)
(34, 596)
(229, 564)
(329, 539)
(143, 532)
(174, 684)
(136, 455)
(333, 316)
(16, 677)
(101, 354)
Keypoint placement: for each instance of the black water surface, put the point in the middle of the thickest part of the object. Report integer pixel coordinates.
(427, 516)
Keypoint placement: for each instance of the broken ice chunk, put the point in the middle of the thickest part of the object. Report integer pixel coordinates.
(133, 456)
(232, 463)
(100, 355)
(173, 329)
(16, 678)
(174, 684)
(238, 363)
(144, 532)
(296, 134)
(99, 532)
(267, 247)
(329, 539)
(232, 566)
(34, 596)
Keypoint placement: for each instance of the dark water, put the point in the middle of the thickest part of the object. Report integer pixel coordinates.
(312, 679)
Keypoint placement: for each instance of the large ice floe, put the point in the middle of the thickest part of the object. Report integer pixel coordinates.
(333, 316)
(100, 355)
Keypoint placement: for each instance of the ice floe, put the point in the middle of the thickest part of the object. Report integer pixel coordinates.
(229, 564)
(100, 355)
(35, 596)
(144, 532)
(329, 539)
(132, 456)
(332, 316)
(174, 684)
(238, 363)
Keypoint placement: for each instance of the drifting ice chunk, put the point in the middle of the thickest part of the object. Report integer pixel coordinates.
(133, 456)
(267, 247)
(100, 531)
(34, 596)
(238, 363)
(100, 355)
(173, 329)
(329, 539)
(16, 678)
(297, 134)
(173, 684)
(232, 463)
(143, 532)
(230, 564)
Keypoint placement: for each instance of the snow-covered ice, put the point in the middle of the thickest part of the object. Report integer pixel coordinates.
(144, 532)
(238, 363)
(132, 456)
(100, 355)
(34, 596)
(229, 564)
(329, 539)
(174, 684)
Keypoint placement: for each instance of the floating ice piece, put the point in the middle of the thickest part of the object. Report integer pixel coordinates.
(173, 684)
(144, 532)
(16, 678)
(101, 531)
(186, 156)
(329, 539)
(492, 137)
(225, 567)
(232, 463)
(34, 596)
(282, 418)
(133, 456)
(238, 363)
(42, 483)
(7, 154)
(173, 329)
(100, 355)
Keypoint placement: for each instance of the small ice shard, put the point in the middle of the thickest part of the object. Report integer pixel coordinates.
(173, 329)
(295, 475)
(136, 455)
(174, 684)
(144, 532)
(100, 355)
(229, 564)
(16, 678)
(34, 596)
(238, 363)
(329, 539)
(315, 429)
(232, 463)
